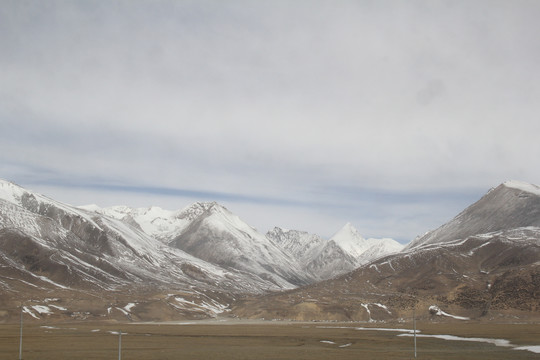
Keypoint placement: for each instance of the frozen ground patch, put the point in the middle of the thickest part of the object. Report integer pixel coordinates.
(534, 348)
(496, 342)
(408, 331)
(42, 309)
(434, 309)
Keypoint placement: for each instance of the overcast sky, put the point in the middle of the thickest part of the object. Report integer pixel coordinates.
(391, 115)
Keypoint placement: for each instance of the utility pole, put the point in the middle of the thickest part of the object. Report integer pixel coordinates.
(20, 340)
(120, 345)
(414, 325)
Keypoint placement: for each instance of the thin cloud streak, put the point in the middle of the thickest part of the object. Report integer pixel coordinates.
(176, 192)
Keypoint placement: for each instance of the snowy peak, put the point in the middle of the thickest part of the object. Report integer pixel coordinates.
(523, 186)
(364, 250)
(10, 192)
(91, 248)
(295, 242)
(350, 240)
(511, 205)
(320, 258)
(159, 223)
(195, 210)
(220, 237)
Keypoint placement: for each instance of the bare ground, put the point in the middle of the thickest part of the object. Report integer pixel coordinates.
(260, 340)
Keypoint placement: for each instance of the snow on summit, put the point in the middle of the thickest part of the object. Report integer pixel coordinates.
(523, 186)
(350, 240)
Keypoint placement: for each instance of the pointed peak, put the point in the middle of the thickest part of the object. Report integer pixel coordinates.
(7, 182)
(214, 207)
(349, 229)
(197, 209)
(347, 234)
(349, 226)
(10, 191)
(278, 229)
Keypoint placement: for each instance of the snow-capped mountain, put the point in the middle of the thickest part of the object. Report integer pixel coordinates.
(318, 257)
(159, 223)
(324, 259)
(220, 237)
(511, 205)
(483, 264)
(364, 250)
(211, 232)
(49, 246)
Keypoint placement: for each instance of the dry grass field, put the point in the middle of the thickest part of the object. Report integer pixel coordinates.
(272, 340)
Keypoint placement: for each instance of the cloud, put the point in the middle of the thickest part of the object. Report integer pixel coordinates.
(280, 101)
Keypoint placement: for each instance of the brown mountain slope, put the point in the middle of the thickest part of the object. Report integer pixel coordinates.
(479, 277)
(483, 263)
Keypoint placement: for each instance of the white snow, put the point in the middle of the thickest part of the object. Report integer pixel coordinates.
(117, 333)
(46, 279)
(42, 309)
(350, 240)
(29, 312)
(383, 307)
(327, 342)
(534, 348)
(496, 342)
(439, 312)
(364, 250)
(157, 222)
(211, 307)
(366, 306)
(409, 331)
(346, 345)
(123, 311)
(129, 306)
(523, 186)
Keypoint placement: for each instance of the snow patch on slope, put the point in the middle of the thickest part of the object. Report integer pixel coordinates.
(434, 309)
(523, 186)
(364, 250)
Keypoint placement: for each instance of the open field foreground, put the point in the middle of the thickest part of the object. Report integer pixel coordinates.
(272, 340)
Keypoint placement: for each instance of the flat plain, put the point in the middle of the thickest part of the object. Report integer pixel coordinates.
(262, 340)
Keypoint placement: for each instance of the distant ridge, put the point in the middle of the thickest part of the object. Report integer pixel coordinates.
(510, 205)
(482, 265)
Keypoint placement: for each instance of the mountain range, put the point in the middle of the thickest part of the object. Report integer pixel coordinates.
(119, 263)
(152, 264)
(484, 264)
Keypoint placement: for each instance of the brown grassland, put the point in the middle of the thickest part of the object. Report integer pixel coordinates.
(272, 340)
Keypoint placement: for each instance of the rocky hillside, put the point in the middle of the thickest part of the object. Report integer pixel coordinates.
(94, 264)
(322, 259)
(511, 205)
(490, 274)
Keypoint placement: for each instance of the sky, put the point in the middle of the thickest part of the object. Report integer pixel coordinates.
(391, 115)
